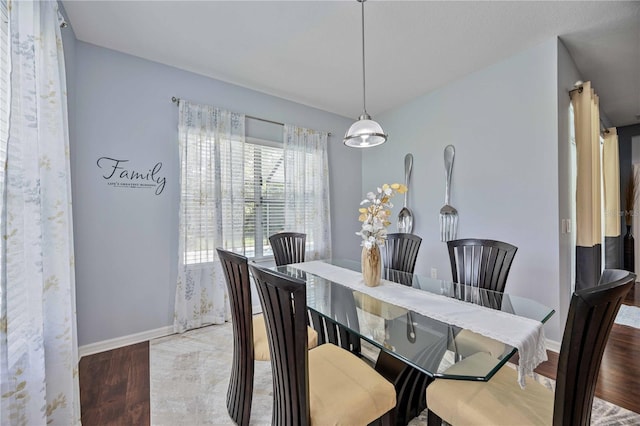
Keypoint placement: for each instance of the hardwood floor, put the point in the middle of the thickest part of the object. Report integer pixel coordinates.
(114, 385)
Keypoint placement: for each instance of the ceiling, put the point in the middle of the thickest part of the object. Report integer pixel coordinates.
(310, 51)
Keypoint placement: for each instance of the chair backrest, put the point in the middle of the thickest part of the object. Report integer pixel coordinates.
(401, 251)
(591, 315)
(240, 389)
(284, 301)
(288, 247)
(481, 263)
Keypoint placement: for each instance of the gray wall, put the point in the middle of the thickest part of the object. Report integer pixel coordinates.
(568, 74)
(126, 239)
(629, 154)
(635, 149)
(503, 122)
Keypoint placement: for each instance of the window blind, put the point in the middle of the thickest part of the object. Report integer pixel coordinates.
(251, 205)
(264, 191)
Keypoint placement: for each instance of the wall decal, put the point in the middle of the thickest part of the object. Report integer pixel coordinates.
(121, 175)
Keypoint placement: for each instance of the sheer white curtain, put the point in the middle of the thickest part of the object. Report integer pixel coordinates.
(211, 144)
(38, 344)
(306, 172)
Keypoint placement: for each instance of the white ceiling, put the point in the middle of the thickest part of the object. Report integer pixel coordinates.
(310, 51)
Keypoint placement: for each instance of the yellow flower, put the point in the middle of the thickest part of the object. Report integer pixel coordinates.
(375, 217)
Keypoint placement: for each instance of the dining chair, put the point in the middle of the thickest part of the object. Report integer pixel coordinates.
(288, 247)
(326, 385)
(481, 263)
(250, 340)
(400, 254)
(401, 251)
(501, 401)
(484, 264)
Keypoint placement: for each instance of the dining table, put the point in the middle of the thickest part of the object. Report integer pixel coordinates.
(407, 327)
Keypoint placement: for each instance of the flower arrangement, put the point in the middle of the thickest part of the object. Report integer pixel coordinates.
(375, 217)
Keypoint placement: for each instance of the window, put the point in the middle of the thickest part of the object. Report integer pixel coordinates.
(264, 196)
(235, 192)
(574, 187)
(249, 198)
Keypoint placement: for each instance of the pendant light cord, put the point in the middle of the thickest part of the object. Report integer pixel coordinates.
(364, 92)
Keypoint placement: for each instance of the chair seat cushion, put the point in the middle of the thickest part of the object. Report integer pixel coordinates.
(261, 342)
(500, 401)
(468, 343)
(344, 390)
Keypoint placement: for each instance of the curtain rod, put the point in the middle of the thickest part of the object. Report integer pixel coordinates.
(603, 128)
(177, 102)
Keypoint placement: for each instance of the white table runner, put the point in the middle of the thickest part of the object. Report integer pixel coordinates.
(525, 334)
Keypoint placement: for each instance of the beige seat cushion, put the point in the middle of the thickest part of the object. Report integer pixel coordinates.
(261, 342)
(500, 401)
(468, 343)
(344, 390)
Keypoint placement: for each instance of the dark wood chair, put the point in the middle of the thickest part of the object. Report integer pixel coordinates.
(326, 385)
(250, 341)
(501, 401)
(288, 247)
(481, 263)
(401, 251)
(240, 390)
(400, 254)
(484, 264)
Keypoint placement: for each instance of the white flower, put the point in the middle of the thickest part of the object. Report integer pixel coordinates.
(375, 217)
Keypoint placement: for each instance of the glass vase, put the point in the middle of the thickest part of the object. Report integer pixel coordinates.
(371, 265)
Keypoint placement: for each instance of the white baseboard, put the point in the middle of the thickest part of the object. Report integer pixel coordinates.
(553, 346)
(118, 342)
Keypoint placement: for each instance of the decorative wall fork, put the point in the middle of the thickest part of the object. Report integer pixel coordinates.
(448, 214)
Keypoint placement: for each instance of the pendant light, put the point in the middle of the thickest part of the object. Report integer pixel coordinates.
(365, 132)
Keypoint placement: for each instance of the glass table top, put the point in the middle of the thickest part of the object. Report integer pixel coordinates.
(425, 343)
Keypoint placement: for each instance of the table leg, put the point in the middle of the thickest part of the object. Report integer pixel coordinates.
(410, 384)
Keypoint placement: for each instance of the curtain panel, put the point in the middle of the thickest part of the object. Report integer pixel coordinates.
(306, 171)
(38, 342)
(211, 212)
(612, 211)
(588, 188)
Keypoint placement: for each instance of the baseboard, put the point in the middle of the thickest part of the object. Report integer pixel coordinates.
(118, 342)
(553, 346)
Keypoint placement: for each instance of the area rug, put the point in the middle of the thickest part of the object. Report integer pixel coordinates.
(190, 373)
(629, 315)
